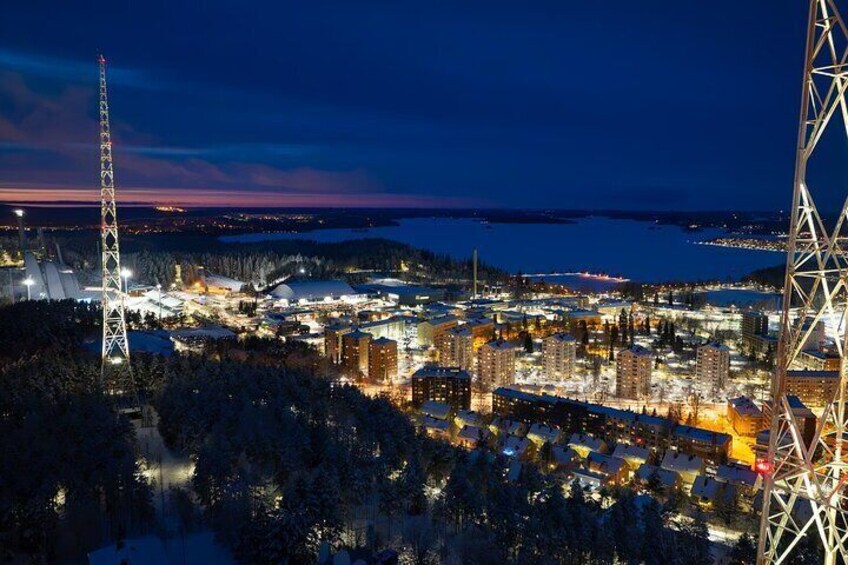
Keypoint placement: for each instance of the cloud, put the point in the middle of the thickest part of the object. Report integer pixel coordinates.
(44, 121)
(76, 71)
(226, 151)
(50, 137)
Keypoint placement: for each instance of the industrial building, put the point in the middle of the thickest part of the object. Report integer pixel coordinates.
(402, 293)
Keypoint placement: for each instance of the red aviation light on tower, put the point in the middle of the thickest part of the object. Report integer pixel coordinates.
(101, 59)
(763, 467)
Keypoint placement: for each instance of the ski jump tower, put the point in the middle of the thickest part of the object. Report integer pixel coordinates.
(806, 481)
(116, 378)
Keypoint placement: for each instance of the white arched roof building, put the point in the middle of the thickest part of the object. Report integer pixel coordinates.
(314, 291)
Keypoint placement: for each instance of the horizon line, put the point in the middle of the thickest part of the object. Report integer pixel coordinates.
(365, 206)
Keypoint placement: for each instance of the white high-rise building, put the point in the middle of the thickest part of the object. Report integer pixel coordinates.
(713, 365)
(496, 364)
(456, 348)
(633, 368)
(559, 352)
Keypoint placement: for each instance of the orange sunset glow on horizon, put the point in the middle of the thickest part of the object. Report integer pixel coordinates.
(199, 198)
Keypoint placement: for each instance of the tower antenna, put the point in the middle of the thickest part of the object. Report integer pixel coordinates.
(805, 477)
(116, 377)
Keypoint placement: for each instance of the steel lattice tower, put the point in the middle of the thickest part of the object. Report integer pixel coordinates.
(805, 483)
(116, 376)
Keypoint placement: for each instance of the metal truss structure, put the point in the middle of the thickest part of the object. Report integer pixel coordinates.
(116, 376)
(806, 479)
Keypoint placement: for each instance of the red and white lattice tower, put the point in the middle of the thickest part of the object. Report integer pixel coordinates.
(805, 479)
(116, 376)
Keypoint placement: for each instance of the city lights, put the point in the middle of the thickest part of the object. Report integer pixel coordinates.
(380, 380)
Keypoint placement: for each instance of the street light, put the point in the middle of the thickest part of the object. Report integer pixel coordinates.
(126, 274)
(159, 292)
(28, 282)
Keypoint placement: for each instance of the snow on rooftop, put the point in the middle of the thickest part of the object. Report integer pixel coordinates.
(433, 371)
(702, 435)
(438, 410)
(589, 442)
(666, 477)
(745, 406)
(682, 463)
(737, 474)
(312, 290)
(623, 451)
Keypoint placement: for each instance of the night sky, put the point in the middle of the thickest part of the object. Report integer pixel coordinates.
(618, 104)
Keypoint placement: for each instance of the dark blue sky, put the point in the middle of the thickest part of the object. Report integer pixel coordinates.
(618, 104)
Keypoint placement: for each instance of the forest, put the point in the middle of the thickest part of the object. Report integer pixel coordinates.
(769, 276)
(69, 476)
(286, 459)
(154, 258)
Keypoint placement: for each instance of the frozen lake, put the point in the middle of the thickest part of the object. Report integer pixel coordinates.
(636, 250)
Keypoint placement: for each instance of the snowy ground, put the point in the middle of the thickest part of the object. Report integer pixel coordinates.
(194, 549)
(163, 468)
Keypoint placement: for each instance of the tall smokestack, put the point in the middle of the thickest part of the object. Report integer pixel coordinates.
(21, 233)
(474, 294)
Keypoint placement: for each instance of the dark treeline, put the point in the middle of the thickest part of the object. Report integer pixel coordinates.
(41, 327)
(769, 276)
(154, 259)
